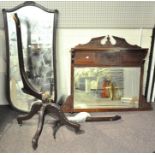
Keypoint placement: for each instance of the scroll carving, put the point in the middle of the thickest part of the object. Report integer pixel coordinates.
(96, 43)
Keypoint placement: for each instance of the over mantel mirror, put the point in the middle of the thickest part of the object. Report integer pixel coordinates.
(107, 75)
(38, 48)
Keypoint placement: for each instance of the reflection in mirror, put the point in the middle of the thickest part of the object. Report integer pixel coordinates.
(112, 87)
(37, 26)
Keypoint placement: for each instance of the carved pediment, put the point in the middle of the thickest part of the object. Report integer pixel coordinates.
(97, 43)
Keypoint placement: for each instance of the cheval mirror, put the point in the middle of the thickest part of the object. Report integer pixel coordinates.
(31, 68)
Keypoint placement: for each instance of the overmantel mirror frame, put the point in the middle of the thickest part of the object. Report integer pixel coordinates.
(8, 49)
(95, 68)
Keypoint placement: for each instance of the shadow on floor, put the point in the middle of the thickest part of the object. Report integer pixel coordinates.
(7, 115)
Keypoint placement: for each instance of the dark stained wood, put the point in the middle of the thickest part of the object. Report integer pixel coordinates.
(109, 58)
(27, 87)
(96, 54)
(67, 106)
(54, 110)
(96, 44)
(35, 108)
(100, 119)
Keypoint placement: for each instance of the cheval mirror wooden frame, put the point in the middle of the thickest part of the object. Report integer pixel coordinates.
(43, 101)
(107, 75)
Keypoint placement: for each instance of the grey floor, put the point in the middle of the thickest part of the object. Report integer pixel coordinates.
(135, 132)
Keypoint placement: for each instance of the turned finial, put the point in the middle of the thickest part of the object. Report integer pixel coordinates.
(108, 42)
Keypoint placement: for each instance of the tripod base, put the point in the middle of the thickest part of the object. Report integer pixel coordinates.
(47, 108)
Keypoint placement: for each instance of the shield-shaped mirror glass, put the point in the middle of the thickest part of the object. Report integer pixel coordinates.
(37, 33)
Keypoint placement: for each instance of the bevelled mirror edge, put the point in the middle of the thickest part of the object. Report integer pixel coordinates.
(25, 4)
